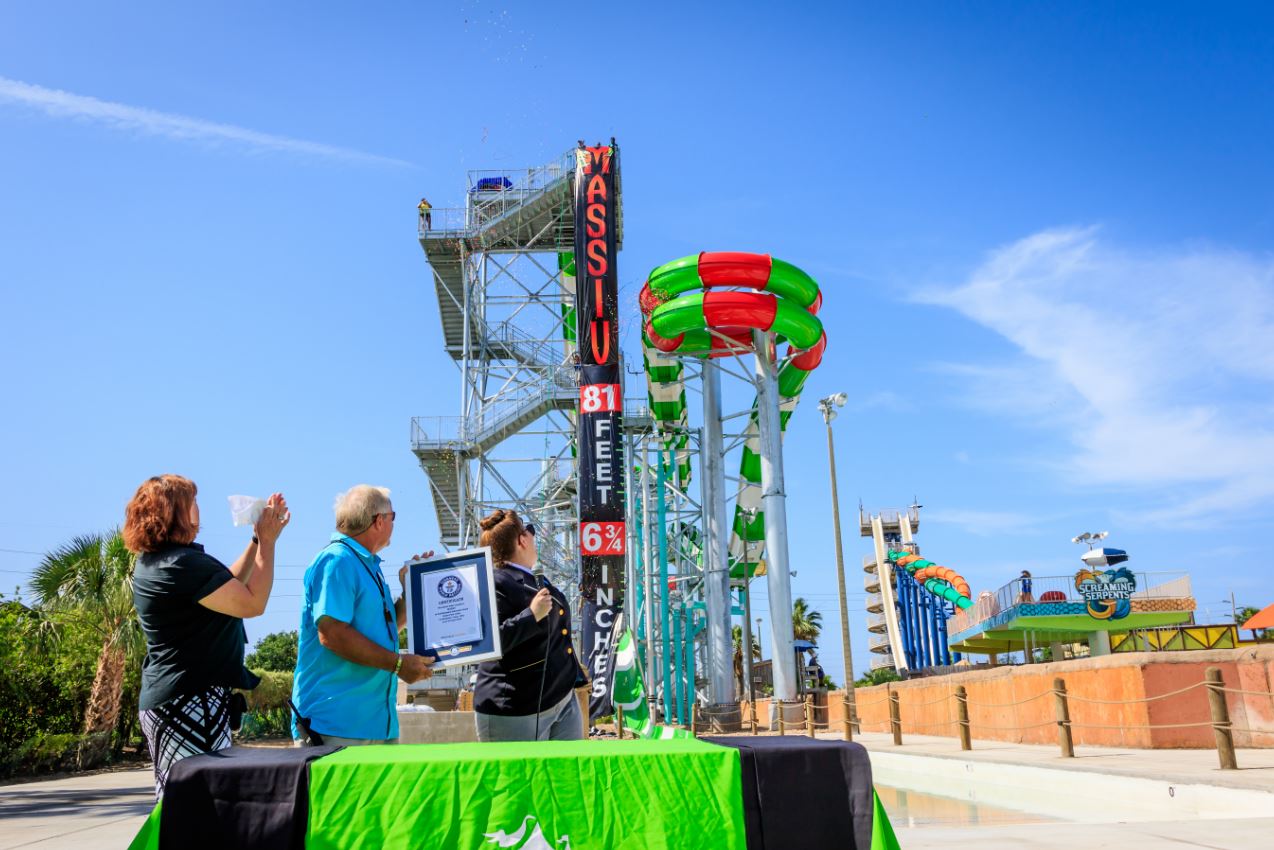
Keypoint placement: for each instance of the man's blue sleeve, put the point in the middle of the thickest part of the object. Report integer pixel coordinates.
(333, 588)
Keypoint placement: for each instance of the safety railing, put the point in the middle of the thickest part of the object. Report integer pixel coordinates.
(483, 181)
(1043, 590)
(891, 517)
(432, 432)
(443, 222)
(529, 349)
(492, 193)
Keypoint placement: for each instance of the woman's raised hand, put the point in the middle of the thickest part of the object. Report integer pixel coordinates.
(274, 518)
(541, 603)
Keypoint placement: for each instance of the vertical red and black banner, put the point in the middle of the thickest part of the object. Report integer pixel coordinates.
(601, 407)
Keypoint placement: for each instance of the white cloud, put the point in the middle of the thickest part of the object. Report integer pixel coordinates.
(120, 116)
(984, 523)
(1159, 366)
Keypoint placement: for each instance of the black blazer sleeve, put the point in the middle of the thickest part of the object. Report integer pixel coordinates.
(517, 622)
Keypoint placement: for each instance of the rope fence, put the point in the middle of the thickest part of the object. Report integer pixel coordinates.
(1139, 700)
(1267, 694)
(1009, 704)
(813, 716)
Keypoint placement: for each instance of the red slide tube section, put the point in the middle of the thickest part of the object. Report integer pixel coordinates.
(734, 268)
(729, 310)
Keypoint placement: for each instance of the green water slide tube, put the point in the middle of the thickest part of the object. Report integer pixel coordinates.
(707, 305)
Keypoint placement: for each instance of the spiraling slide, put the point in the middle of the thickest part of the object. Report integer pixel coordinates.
(707, 305)
(943, 582)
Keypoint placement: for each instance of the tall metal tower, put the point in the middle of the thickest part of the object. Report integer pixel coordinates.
(503, 271)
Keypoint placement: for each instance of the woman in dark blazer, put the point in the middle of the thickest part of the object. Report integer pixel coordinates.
(529, 693)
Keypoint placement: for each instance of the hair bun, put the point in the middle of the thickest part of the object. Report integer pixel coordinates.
(490, 522)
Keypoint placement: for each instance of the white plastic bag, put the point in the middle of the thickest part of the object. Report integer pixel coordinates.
(246, 510)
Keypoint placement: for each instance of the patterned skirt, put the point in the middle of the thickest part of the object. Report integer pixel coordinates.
(186, 726)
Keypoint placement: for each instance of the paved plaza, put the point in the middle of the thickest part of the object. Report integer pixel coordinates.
(106, 809)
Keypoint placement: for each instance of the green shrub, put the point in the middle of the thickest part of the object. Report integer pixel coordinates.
(275, 652)
(268, 723)
(41, 692)
(41, 753)
(268, 713)
(274, 691)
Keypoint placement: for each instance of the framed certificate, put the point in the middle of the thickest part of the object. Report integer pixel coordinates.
(451, 612)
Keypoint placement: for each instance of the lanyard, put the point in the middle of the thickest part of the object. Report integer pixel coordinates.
(380, 585)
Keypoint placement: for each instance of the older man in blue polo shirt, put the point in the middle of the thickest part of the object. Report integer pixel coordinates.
(348, 663)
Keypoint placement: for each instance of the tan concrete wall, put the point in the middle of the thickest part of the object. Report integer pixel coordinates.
(1015, 704)
(436, 727)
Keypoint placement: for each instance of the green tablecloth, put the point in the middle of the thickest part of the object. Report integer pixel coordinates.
(538, 796)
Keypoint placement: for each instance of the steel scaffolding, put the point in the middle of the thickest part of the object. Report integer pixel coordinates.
(504, 278)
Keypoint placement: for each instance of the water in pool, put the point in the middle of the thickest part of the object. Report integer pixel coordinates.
(918, 809)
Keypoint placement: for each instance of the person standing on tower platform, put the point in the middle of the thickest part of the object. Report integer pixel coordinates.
(426, 215)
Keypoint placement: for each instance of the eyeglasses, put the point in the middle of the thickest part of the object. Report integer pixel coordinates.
(391, 514)
(529, 528)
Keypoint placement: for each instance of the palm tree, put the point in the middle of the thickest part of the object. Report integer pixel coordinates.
(89, 582)
(737, 634)
(807, 623)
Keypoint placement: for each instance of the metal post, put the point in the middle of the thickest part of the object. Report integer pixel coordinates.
(749, 676)
(692, 695)
(716, 570)
(774, 504)
(678, 696)
(903, 617)
(749, 686)
(648, 575)
(840, 574)
(1064, 739)
(962, 712)
(630, 595)
(665, 615)
(1221, 728)
(942, 635)
(619, 722)
(935, 614)
(895, 717)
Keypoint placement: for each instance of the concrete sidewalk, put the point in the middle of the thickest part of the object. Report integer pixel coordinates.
(101, 810)
(107, 809)
(1256, 767)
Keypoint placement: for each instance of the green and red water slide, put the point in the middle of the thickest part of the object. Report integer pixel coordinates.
(707, 305)
(943, 582)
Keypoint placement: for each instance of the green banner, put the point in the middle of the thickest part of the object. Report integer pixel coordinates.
(554, 795)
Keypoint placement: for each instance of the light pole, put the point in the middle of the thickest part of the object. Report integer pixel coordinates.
(748, 514)
(828, 407)
(1234, 611)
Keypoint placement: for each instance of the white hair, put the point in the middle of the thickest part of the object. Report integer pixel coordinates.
(358, 506)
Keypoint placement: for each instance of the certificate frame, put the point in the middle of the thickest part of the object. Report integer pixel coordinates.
(486, 648)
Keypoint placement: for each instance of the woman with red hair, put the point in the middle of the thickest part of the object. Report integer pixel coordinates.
(191, 609)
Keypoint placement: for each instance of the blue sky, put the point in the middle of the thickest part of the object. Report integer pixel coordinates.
(1043, 231)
